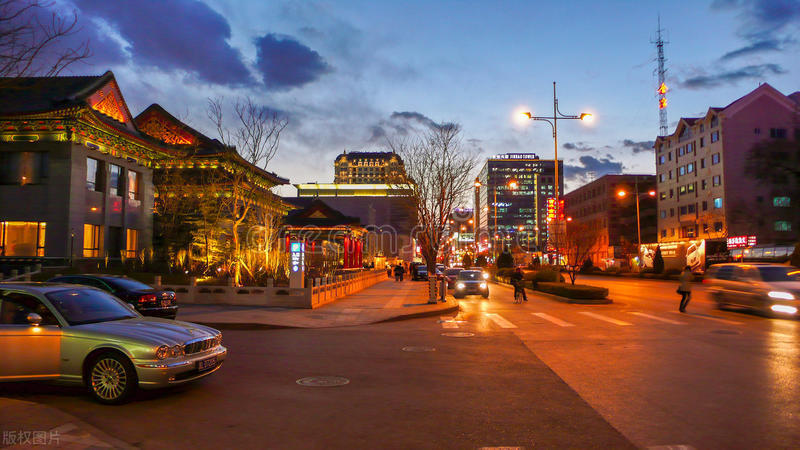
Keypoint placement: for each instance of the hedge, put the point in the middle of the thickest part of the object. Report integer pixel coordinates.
(577, 291)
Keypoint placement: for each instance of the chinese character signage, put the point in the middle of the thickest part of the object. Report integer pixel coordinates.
(741, 241)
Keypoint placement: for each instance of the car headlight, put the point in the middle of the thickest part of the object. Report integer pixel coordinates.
(485, 276)
(483, 285)
(162, 352)
(780, 295)
(460, 286)
(175, 351)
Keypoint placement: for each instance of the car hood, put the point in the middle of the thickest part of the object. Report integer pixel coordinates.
(792, 286)
(151, 330)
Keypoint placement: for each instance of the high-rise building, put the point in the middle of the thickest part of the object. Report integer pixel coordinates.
(600, 207)
(704, 188)
(520, 208)
(368, 168)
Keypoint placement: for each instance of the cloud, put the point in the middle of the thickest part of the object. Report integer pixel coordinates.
(762, 19)
(577, 146)
(420, 118)
(757, 72)
(640, 146)
(590, 168)
(182, 35)
(286, 63)
(754, 48)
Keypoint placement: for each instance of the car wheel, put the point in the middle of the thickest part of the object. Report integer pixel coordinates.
(112, 379)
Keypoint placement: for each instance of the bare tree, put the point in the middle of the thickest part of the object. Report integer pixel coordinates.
(575, 242)
(440, 173)
(32, 38)
(255, 138)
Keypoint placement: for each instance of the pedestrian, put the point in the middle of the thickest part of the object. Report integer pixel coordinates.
(388, 271)
(685, 288)
(398, 273)
(518, 281)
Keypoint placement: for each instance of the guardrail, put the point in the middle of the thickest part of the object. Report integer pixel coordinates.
(25, 275)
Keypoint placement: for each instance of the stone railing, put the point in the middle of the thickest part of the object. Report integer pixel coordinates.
(319, 292)
(25, 275)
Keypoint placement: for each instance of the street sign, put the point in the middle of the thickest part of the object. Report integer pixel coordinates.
(297, 264)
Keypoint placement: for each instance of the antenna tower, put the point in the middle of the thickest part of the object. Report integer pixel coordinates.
(662, 85)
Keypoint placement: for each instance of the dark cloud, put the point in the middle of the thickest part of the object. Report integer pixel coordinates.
(752, 72)
(286, 63)
(183, 35)
(420, 118)
(754, 48)
(589, 165)
(640, 146)
(762, 19)
(577, 146)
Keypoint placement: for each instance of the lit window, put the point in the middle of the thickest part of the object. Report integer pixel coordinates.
(718, 203)
(682, 170)
(715, 159)
(690, 168)
(133, 185)
(116, 181)
(92, 240)
(22, 238)
(131, 242)
(783, 225)
(715, 136)
(93, 174)
(781, 202)
(716, 180)
(663, 213)
(690, 187)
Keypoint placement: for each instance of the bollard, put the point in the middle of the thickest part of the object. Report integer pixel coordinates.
(270, 282)
(157, 280)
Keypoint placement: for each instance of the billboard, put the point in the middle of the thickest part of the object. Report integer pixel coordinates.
(677, 255)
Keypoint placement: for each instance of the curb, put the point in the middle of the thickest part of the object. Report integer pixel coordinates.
(435, 312)
(558, 298)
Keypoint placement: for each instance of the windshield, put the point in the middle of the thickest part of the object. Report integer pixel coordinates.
(422, 268)
(452, 271)
(779, 273)
(469, 275)
(127, 284)
(81, 305)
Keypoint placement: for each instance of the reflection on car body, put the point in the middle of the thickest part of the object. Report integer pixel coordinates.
(769, 288)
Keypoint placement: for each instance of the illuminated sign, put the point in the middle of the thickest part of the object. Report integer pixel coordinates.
(551, 209)
(662, 89)
(662, 103)
(741, 241)
(297, 257)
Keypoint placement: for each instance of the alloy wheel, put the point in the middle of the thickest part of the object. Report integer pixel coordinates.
(109, 379)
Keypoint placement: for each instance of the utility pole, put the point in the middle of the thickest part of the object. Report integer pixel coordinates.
(663, 128)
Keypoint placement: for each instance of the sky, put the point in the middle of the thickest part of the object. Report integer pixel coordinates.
(349, 74)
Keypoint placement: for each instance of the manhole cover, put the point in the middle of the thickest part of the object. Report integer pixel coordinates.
(413, 348)
(726, 332)
(458, 334)
(323, 381)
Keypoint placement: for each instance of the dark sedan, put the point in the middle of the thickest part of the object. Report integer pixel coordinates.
(147, 300)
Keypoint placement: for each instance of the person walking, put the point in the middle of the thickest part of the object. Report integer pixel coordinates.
(398, 273)
(518, 281)
(685, 288)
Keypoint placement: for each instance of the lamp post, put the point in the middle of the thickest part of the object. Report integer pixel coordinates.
(512, 184)
(476, 213)
(623, 194)
(553, 121)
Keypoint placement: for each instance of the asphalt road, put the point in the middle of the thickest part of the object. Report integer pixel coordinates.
(542, 374)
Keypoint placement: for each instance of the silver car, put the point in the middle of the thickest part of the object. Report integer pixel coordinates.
(770, 288)
(82, 335)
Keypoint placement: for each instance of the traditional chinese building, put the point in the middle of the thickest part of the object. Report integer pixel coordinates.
(75, 172)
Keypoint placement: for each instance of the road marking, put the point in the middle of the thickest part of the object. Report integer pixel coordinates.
(703, 316)
(448, 322)
(555, 320)
(604, 318)
(500, 320)
(660, 319)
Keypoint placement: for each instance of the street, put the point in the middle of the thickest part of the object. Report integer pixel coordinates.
(541, 374)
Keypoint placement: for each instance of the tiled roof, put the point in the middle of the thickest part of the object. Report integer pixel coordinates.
(35, 94)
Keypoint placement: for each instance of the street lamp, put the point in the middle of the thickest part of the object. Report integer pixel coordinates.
(651, 193)
(512, 184)
(553, 121)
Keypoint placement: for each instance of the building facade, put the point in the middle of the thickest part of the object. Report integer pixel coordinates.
(603, 210)
(704, 189)
(519, 209)
(368, 168)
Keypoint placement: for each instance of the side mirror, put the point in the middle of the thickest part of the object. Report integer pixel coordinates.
(34, 319)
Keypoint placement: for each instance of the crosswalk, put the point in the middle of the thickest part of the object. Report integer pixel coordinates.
(588, 318)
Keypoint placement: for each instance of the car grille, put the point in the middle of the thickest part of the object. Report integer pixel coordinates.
(198, 345)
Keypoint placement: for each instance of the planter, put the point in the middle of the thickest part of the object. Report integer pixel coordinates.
(574, 291)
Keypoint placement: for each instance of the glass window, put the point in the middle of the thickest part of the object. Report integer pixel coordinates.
(716, 180)
(690, 168)
(702, 184)
(783, 225)
(92, 240)
(133, 185)
(718, 227)
(116, 181)
(22, 238)
(682, 189)
(714, 121)
(129, 284)
(715, 136)
(702, 142)
(691, 208)
(778, 133)
(777, 273)
(690, 187)
(15, 307)
(94, 175)
(663, 213)
(781, 202)
(705, 205)
(131, 242)
(715, 158)
(682, 170)
(81, 305)
(718, 203)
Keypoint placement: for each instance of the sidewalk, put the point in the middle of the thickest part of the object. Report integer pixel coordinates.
(29, 425)
(385, 301)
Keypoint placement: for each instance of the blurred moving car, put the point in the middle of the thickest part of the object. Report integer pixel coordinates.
(452, 275)
(419, 272)
(769, 288)
(146, 299)
(471, 282)
(82, 335)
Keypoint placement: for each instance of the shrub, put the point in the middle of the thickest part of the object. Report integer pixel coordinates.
(548, 276)
(505, 272)
(480, 261)
(505, 260)
(612, 270)
(575, 291)
(587, 266)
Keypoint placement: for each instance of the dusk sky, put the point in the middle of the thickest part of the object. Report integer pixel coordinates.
(349, 73)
